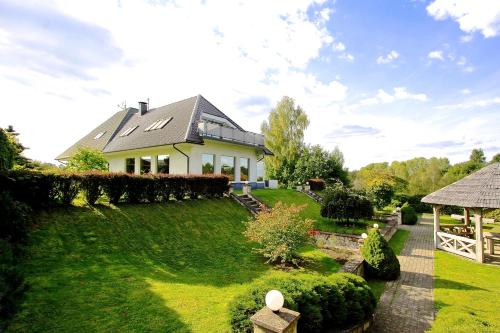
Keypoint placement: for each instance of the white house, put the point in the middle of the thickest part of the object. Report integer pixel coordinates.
(190, 136)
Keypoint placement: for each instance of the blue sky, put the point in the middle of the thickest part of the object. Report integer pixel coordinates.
(383, 80)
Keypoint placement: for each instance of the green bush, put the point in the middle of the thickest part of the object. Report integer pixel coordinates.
(67, 186)
(91, 185)
(316, 184)
(8, 152)
(15, 218)
(380, 260)
(324, 303)
(343, 204)
(409, 215)
(114, 186)
(280, 232)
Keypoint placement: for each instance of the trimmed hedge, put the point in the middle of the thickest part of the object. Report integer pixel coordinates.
(337, 301)
(316, 184)
(41, 190)
(380, 260)
(409, 215)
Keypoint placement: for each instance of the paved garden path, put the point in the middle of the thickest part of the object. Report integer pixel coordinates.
(407, 304)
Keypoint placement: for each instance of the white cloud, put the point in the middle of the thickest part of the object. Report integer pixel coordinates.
(477, 15)
(347, 56)
(382, 97)
(436, 55)
(390, 57)
(480, 103)
(172, 51)
(338, 46)
(465, 91)
(466, 38)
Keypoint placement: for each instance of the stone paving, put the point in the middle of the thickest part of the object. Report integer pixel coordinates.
(407, 304)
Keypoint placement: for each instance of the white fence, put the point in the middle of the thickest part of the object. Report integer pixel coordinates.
(457, 244)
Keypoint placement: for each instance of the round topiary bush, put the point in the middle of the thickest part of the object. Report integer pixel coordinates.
(409, 215)
(380, 260)
(337, 301)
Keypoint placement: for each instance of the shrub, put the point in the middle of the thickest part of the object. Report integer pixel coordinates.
(342, 203)
(381, 194)
(114, 186)
(409, 214)
(7, 152)
(380, 260)
(324, 303)
(135, 190)
(12, 285)
(15, 218)
(87, 159)
(163, 188)
(316, 184)
(92, 186)
(67, 186)
(36, 189)
(280, 232)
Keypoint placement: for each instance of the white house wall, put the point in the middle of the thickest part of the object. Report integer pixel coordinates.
(178, 163)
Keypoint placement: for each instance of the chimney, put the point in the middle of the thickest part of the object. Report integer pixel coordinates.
(143, 108)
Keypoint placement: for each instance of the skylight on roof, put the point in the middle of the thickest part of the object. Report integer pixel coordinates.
(128, 131)
(159, 124)
(99, 135)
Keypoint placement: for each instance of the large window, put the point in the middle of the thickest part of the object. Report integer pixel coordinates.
(145, 164)
(163, 164)
(130, 165)
(227, 166)
(244, 169)
(207, 163)
(260, 170)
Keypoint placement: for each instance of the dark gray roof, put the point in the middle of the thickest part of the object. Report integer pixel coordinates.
(110, 127)
(478, 190)
(182, 128)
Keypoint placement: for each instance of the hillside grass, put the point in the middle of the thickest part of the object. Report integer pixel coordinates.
(397, 243)
(312, 211)
(143, 268)
(466, 295)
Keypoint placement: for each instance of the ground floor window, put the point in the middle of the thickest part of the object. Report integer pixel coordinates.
(207, 163)
(244, 169)
(145, 164)
(227, 166)
(260, 171)
(130, 165)
(163, 164)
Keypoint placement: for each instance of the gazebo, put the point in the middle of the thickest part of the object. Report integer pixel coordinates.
(476, 192)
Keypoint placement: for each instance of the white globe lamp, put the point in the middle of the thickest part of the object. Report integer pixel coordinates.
(364, 235)
(375, 226)
(274, 300)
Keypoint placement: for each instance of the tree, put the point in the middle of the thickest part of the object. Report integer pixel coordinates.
(8, 151)
(87, 159)
(477, 156)
(496, 158)
(284, 136)
(280, 232)
(315, 162)
(380, 260)
(342, 203)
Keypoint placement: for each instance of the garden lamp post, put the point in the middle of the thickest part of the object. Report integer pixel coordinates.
(274, 318)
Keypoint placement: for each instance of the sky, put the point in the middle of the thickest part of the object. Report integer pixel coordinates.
(382, 80)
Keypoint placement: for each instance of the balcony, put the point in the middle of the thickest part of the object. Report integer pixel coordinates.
(216, 131)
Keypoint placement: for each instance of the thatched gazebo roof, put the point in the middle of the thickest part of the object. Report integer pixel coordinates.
(478, 190)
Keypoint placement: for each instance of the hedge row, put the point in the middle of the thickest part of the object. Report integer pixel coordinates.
(316, 184)
(45, 189)
(325, 303)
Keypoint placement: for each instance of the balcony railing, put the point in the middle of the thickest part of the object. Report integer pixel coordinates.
(212, 130)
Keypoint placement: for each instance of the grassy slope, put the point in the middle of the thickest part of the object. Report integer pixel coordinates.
(312, 210)
(397, 243)
(158, 268)
(466, 295)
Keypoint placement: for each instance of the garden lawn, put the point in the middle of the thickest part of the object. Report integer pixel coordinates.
(312, 211)
(466, 295)
(142, 268)
(397, 243)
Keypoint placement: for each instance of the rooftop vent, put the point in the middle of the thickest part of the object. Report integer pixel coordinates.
(143, 108)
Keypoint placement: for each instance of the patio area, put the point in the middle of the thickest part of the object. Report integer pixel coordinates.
(477, 193)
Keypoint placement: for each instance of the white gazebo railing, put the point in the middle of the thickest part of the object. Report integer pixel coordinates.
(457, 244)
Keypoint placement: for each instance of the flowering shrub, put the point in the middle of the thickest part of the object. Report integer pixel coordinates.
(280, 231)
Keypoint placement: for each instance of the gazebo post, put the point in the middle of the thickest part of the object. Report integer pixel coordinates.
(466, 216)
(478, 217)
(436, 209)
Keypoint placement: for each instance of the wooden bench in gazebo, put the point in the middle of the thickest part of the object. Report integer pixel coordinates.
(476, 192)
